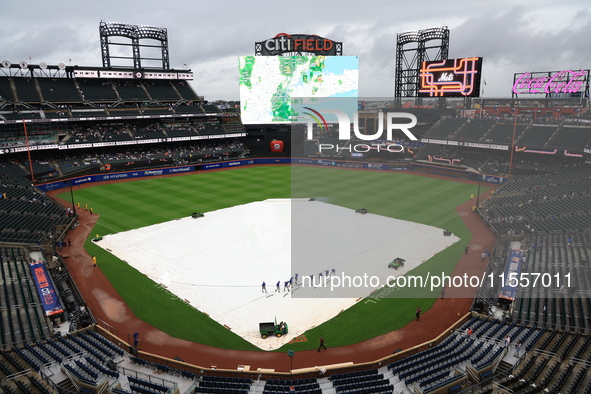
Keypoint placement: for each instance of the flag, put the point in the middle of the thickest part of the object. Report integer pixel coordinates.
(184, 64)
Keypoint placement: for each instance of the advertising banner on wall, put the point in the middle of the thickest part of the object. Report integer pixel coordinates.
(49, 299)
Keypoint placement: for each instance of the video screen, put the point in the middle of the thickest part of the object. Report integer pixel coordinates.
(268, 83)
(451, 78)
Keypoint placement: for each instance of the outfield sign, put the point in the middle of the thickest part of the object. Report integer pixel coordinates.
(492, 179)
(157, 172)
(281, 160)
(245, 162)
(114, 176)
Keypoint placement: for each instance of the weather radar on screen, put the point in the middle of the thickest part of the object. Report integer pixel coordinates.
(268, 83)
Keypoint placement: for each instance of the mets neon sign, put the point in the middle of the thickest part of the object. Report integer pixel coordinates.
(450, 78)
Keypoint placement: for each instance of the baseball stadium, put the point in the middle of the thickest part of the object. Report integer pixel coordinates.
(154, 241)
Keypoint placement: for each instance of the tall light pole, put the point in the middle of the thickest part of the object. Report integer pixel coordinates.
(29, 153)
(72, 196)
(291, 353)
(513, 139)
(478, 193)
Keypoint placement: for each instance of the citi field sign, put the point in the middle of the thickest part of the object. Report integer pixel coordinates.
(297, 43)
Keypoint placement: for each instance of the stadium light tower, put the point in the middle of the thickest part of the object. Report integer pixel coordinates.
(412, 49)
(135, 34)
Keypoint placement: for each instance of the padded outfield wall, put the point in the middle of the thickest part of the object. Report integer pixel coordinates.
(430, 169)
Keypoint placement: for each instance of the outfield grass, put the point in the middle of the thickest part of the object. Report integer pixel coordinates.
(125, 206)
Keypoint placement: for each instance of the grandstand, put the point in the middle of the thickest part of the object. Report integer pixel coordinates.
(544, 203)
(446, 128)
(570, 137)
(58, 90)
(502, 133)
(536, 135)
(475, 129)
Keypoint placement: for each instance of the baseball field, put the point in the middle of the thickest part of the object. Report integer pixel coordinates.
(129, 205)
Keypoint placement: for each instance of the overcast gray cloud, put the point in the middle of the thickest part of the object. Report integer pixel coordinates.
(512, 36)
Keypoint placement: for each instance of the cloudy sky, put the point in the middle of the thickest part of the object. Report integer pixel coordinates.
(511, 35)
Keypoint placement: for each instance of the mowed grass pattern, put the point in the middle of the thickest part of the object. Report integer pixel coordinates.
(399, 195)
(129, 205)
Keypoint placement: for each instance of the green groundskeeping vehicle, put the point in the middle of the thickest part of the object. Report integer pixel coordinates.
(397, 262)
(278, 330)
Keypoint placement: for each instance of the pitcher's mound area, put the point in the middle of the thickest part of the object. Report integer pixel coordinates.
(219, 262)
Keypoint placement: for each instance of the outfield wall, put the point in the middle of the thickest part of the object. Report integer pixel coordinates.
(430, 169)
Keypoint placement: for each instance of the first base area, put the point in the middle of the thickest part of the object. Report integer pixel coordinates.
(218, 262)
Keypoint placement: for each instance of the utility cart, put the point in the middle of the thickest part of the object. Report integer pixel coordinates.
(396, 263)
(278, 330)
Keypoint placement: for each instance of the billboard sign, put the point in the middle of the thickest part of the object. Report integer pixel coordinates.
(512, 272)
(49, 298)
(284, 43)
(268, 84)
(568, 82)
(450, 78)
